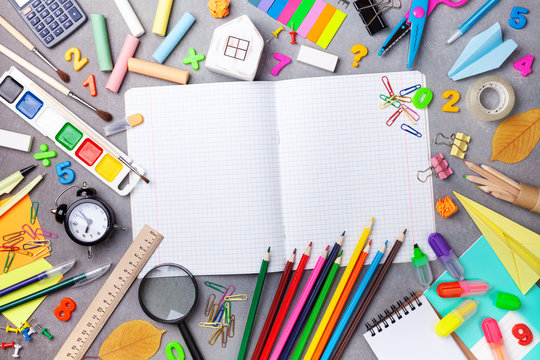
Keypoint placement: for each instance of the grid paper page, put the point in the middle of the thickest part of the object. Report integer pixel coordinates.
(341, 165)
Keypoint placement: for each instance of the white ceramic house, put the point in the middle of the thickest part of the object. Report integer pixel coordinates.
(235, 49)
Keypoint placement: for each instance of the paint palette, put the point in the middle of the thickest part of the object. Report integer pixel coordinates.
(18, 93)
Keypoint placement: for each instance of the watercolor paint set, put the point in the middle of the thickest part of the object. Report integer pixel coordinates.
(23, 97)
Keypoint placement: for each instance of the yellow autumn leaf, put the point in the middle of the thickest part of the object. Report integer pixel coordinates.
(134, 340)
(516, 137)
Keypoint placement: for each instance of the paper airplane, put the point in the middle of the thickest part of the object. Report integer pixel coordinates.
(517, 247)
(486, 51)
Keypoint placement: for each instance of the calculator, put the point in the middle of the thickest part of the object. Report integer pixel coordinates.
(51, 20)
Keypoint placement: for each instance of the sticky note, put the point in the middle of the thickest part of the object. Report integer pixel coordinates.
(109, 167)
(69, 136)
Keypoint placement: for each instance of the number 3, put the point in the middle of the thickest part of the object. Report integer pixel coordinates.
(517, 19)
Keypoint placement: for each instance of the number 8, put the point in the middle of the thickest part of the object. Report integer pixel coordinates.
(517, 19)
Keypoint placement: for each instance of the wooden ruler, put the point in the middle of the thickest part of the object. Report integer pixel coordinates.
(110, 295)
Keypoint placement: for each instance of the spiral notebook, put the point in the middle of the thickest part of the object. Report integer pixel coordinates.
(406, 330)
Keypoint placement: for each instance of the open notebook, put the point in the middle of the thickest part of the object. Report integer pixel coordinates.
(237, 167)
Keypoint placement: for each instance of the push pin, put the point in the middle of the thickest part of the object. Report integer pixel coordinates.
(293, 34)
(44, 332)
(24, 325)
(439, 168)
(26, 333)
(10, 329)
(5, 346)
(16, 352)
(275, 33)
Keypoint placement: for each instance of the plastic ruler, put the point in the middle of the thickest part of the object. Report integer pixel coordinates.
(110, 294)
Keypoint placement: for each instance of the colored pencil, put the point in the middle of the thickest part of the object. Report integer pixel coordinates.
(299, 305)
(496, 180)
(480, 181)
(339, 290)
(501, 176)
(317, 308)
(341, 303)
(504, 196)
(276, 326)
(254, 305)
(368, 298)
(352, 306)
(274, 307)
(312, 297)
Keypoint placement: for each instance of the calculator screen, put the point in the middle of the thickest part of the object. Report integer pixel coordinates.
(21, 3)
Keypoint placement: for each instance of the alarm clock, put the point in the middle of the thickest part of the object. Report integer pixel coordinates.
(88, 221)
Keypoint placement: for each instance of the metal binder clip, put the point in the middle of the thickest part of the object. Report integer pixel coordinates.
(382, 7)
(439, 168)
(371, 15)
(458, 143)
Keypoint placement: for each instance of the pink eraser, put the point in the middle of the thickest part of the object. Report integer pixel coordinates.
(121, 65)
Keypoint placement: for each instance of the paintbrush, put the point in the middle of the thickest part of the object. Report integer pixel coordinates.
(52, 82)
(23, 40)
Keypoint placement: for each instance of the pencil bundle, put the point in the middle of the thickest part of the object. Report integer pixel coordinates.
(504, 188)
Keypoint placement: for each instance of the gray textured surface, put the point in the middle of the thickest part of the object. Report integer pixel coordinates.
(434, 60)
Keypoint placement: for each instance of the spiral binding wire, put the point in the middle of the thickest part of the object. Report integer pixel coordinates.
(395, 313)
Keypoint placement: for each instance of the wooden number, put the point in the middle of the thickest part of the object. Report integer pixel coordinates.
(523, 334)
(64, 310)
(283, 61)
(454, 98)
(91, 83)
(524, 65)
(78, 63)
(517, 19)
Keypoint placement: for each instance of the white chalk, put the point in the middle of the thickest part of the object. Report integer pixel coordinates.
(15, 140)
(317, 58)
(131, 19)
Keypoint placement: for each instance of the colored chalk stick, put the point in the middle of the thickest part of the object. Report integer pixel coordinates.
(120, 67)
(158, 71)
(301, 13)
(276, 8)
(333, 26)
(177, 33)
(161, 20)
(288, 11)
(321, 23)
(311, 18)
(101, 39)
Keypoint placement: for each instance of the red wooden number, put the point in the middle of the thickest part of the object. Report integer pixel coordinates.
(91, 83)
(523, 334)
(63, 312)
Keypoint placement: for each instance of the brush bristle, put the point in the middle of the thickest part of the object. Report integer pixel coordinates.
(105, 116)
(145, 179)
(63, 76)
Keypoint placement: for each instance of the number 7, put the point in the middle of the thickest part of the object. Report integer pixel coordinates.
(517, 19)
(283, 61)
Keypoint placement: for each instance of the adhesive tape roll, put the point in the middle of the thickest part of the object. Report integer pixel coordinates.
(506, 98)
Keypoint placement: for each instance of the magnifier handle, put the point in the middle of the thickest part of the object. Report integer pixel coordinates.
(190, 342)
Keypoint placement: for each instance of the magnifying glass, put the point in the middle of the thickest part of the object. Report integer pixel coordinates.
(167, 294)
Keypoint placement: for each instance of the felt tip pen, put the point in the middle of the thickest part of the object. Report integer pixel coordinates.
(464, 288)
(453, 320)
(447, 256)
(71, 282)
(494, 338)
(9, 183)
(422, 270)
(472, 20)
(47, 274)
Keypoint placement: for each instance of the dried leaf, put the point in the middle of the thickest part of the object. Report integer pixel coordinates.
(516, 137)
(134, 340)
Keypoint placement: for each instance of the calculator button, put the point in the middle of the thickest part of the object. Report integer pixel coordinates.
(58, 31)
(61, 1)
(49, 2)
(53, 7)
(53, 25)
(31, 15)
(58, 12)
(26, 10)
(63, 18)
(75, 14)
(39, 27)
(48, 19)
(48, 39)
(44, 14)
(35, 21)
(36, 3)
(68, 5)
(40, 8)
(67, 24)
(44, 33)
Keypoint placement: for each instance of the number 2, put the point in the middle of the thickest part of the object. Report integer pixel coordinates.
(283, 61)
(524, 65)
(523, 334)
(454, 98)
(517, 19)
(79, 62)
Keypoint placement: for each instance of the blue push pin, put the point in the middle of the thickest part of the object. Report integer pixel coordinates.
(61, 170)
(26, 334)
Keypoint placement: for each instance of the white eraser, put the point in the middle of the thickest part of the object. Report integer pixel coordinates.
(135, 27)
(317, 58)
(15, 140)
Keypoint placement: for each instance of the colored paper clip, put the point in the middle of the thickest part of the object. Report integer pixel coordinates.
(14, 241)
(41, 252)
(28, 229)
(215, 286)
(5, 248)
(385, 98)
(33, 212)
(46, 234)
(209, 304)
(215, 336)
(11, 236)
(213, 312)
(219, 314)
(227, 293)
(9, 260)
(230, 327)
(411, 114)
(224, 336)
(409, 90)
(458, 143)
(227, 313)
(405, 99)
(390, 101)
(410, 130)
(439, 168)
(35, 244)
(387, 85)
(213, 325)
(24, 252)
(394, 116)
(237, 297)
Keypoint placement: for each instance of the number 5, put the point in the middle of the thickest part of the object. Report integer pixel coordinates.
(517, 19)
(62, 169)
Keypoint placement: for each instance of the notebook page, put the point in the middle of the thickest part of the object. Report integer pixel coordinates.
(341, 164)
(413, 337)
(211, 156)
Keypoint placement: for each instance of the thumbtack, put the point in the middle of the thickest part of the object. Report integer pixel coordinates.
(293, 34)
(275, 33)
(10, 329)
(16, 352)
(5, 346)
(31, 331)
(24, 325)
(44, 332)
(26, 334)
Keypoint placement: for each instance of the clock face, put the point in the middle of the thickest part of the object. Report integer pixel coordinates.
(88, 222)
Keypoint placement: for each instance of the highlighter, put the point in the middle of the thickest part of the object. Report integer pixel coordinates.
(494, 338)
(464, 288)
(456, 317)
(446, 255)
(420, 262)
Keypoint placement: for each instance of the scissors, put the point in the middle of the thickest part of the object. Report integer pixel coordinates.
(420, 10)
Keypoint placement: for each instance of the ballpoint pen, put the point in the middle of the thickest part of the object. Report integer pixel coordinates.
(59, 270)
(472, 20)
(17, 197)
(9, 183)
(78, 280)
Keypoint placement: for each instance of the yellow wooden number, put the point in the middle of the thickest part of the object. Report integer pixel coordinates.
(78, 63)
(454, 98)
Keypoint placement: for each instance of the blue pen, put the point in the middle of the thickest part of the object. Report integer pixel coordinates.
(329, 350)
(472, 20)
(59, 270)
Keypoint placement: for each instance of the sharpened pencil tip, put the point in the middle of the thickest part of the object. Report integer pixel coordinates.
(370, 241)
(327, 247)
(464, 176)
(294, 251)
(373, 218)
(268, 249)
(404, 231)
(343, 233)
(310, 243)
(386, 243)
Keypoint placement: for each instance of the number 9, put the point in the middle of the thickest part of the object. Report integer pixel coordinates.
(523, 334)
(517, 19)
